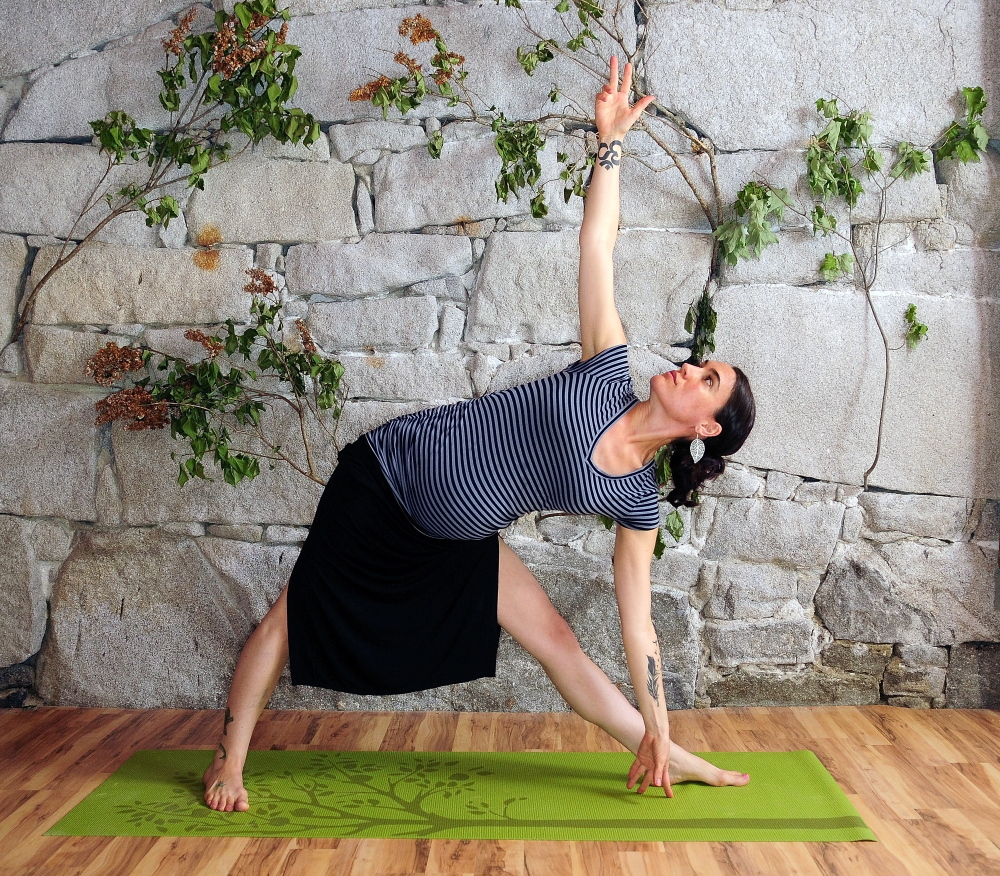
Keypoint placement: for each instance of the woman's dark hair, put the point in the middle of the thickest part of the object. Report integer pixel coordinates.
(736, 417)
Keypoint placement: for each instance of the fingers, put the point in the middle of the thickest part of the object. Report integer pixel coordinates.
(613, 77)
(627, 78)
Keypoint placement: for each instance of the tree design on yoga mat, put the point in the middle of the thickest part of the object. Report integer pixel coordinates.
(357, 797)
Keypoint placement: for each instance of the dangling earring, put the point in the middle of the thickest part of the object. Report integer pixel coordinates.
(697, 448)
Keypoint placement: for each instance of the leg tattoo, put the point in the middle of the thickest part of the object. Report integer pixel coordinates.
(226, 722)
(223, 749)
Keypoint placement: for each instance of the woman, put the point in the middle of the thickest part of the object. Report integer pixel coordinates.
(403, 583)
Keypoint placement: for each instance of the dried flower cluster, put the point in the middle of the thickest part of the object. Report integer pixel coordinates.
(307, 339)
(134, 404)
(228, 57)
(444, 61)
(367, 92)
(418, 29)
(112, 362)
(174, 44)
(212, 346)
(261, 283)
(411, 64)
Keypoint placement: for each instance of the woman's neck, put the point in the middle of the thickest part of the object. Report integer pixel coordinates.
(640, 435)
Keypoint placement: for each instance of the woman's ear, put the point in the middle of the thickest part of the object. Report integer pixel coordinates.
(709, 429)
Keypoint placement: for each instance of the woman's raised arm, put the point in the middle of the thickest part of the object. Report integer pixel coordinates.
(600, 325)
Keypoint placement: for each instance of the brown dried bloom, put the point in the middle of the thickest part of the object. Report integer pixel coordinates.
(418, 29)
(411, 64)
(175, 42)
(134, 404)
(112, 362)
(450, 59)
(261, 283)
(212, 346)
(307, 339)
(228, 57)
(367, 92)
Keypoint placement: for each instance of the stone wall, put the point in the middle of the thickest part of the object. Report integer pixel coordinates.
(790, 584)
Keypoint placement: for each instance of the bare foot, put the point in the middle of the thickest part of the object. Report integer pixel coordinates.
(687, 767)
(224, 789)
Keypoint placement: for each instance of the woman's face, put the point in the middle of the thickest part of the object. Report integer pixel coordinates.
(690, 395)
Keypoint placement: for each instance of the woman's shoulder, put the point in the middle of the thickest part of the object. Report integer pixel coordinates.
(610, 363)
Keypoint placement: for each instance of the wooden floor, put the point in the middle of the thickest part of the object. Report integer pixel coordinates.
(927, 783)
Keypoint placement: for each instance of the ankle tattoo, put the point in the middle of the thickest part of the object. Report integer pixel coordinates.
(226, 721)
(222, 748)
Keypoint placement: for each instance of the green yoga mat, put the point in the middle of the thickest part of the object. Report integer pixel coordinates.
(469, 795)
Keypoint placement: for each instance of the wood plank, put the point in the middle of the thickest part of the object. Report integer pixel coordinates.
(500, 858)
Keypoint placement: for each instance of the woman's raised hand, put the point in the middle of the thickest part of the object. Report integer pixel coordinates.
(612, 111)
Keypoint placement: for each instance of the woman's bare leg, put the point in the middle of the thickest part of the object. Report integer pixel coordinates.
(525, 611)
(257, 672)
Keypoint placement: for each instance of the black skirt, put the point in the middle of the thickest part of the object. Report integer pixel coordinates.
(375, 606)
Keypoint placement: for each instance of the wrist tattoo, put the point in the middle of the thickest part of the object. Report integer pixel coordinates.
(653, 679)
(609, 154)
(226, 722)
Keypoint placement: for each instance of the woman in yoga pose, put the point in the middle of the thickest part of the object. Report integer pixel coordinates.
(403, 583)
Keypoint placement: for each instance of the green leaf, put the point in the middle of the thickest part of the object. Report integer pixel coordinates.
(833, 267)
(660, 546)
(674, 524)
(435, 144)
(606, 521)
(916, 331)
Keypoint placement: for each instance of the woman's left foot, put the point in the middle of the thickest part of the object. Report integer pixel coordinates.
(687, 767)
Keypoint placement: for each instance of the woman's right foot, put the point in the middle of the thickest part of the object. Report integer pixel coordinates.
(224, 789)
(687, 767)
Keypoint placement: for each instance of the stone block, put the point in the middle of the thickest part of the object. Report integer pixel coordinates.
(907, 200)
(526, 289)
(736, 481)
(676, 569)
(767, 531)
(49, 31)
(525, 369)
(147, 478)
(250, 532)
(643, 365)
(742, 591)
(247, 200)
(47, 444)
(382, 324)
(413, 190)
(815, 687)
(780, 485)
(452, 327)
(62, 100)
(857, 657)
(12, 360)
(379, 263)
(943, 517)
(255, 573)
(851, 530)
(841, 398)
(869, 64)
(955, 584)
(44, 188)
(937, 235)
(349, 141)
(794, 261)
(13, 257)
(55, 355)
(956, 273)
(487, 34)
(23, 605)
(107, 283)
(141, 619)
(563, 529)
(974, 196)
(816, 491)
(286, 534)
(271, 148)
(733, 643)
(861, 599)
(923, 655)
(422, 376)
(360, 417)
(974, 676)
(902, 679)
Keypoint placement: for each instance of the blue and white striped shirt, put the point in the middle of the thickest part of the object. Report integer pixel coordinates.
(469, 469)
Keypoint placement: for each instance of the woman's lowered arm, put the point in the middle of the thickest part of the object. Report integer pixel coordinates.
(600, 325)
(633, 553)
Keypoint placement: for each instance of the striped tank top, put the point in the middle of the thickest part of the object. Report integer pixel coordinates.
(469, 469)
